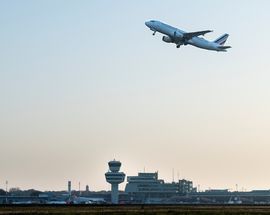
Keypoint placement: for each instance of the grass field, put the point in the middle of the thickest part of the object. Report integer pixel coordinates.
(133, 209)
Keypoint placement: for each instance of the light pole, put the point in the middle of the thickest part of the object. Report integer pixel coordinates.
(6, 191)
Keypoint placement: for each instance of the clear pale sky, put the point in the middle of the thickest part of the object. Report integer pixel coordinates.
(83, 82)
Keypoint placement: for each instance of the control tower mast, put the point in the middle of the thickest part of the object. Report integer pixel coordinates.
(114, 177)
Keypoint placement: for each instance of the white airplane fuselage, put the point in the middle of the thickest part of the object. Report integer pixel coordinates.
(170, 31)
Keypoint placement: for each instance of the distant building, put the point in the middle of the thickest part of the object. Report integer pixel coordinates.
(217, 191)
(87, 188)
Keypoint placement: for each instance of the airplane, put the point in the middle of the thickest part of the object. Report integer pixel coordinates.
(180, 37)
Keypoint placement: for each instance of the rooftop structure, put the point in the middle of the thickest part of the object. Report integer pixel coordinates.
(185, 186)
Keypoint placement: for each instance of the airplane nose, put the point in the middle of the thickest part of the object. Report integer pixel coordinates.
(147, 24)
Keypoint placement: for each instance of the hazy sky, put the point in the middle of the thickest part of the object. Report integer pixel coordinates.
(83, 82)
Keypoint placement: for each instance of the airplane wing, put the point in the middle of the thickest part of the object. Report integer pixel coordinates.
(189, 35)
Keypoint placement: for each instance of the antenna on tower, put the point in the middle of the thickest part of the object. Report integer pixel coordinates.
(173, 174)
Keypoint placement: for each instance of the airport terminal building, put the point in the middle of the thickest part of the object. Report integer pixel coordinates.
(148, 188)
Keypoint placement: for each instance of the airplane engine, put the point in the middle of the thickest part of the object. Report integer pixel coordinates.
(167, 39)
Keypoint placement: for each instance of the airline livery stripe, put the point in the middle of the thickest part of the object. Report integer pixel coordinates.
(222, 38)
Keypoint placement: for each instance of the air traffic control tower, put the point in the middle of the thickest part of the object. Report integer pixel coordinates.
(114, 177)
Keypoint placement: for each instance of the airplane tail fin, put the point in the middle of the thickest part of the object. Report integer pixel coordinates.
(222, 39)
